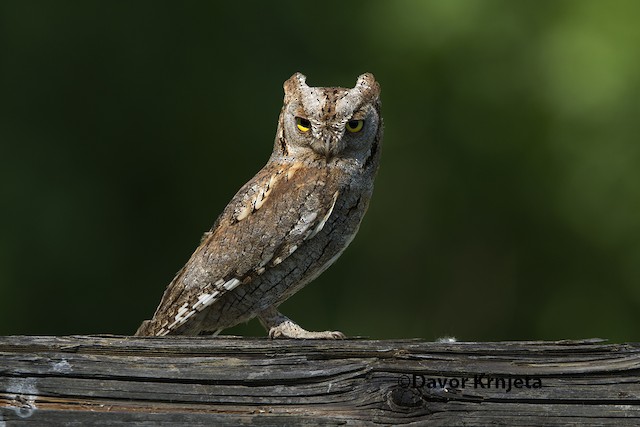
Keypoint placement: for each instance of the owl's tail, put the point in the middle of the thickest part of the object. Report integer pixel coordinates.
(147, 328)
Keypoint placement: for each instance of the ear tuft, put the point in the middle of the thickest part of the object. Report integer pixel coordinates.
(368, 85)
(294, 84)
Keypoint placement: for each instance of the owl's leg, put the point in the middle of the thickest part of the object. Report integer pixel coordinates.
(280, 326)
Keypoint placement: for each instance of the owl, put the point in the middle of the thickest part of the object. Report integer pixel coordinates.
(290, 222)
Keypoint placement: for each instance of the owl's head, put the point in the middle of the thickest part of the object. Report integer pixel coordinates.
(330, 122)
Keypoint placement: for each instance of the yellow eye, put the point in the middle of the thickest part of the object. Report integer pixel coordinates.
(303, 124)
(354, 126)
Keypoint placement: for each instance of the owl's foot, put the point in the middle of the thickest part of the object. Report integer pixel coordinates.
(289, 329)
(280, 326)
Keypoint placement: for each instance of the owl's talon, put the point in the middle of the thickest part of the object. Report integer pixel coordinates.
(291, 330)
(280, 326)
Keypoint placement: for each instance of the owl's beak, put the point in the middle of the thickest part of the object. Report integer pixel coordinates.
(329, 144)
(326, 143)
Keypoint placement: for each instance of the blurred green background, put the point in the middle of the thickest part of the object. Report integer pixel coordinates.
(507, 204)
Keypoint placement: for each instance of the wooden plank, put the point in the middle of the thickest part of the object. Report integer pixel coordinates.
(115, 380)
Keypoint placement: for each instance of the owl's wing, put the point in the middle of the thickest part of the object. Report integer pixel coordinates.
(266, 221)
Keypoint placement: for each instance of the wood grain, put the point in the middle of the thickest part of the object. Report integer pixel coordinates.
(162, 381)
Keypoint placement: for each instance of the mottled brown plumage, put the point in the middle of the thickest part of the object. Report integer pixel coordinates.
(289, 222)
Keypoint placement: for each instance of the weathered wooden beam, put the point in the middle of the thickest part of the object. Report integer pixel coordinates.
(115, 380)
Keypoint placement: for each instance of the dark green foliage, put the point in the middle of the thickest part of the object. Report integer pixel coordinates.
(507, 205)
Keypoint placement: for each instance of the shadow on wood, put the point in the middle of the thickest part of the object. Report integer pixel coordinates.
(110, 380)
